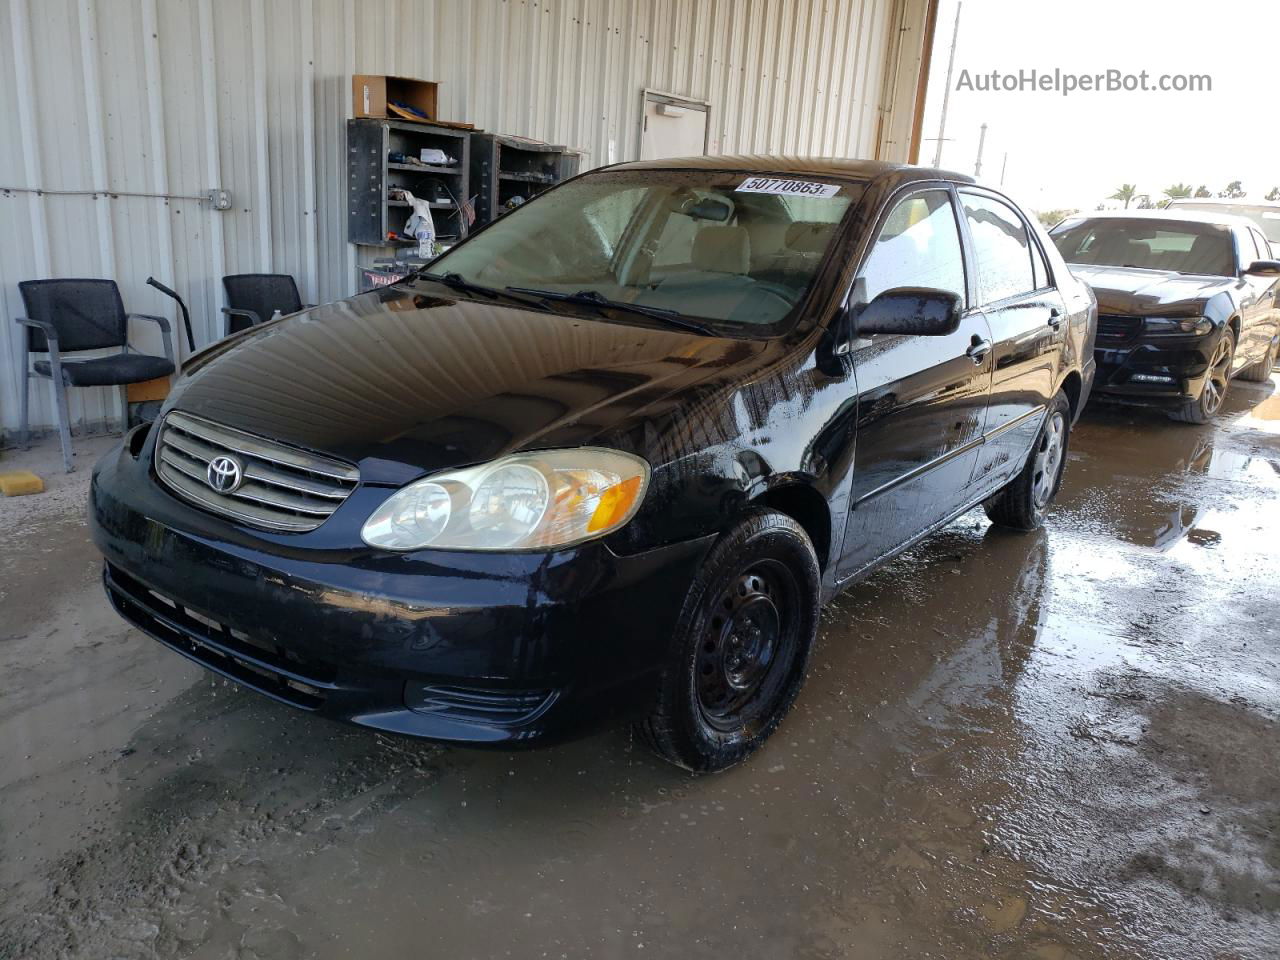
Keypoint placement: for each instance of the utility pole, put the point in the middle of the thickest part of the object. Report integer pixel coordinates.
(982, 139)
(946, 91)
(1003, 167)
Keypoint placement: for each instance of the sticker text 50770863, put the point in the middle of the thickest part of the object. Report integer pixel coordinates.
(797, 188)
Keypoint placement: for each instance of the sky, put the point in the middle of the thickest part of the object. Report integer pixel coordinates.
(1073, 151)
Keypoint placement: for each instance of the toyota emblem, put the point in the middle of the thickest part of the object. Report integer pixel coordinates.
(225, 474)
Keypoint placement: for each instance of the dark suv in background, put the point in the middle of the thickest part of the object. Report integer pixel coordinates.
(608, 457)
(1186, 301)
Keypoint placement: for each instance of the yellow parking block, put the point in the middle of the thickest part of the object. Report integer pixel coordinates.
(19, 483)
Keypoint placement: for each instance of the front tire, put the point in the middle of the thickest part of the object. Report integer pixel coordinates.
(1205, 407)
(1022, 504)
(741, 646)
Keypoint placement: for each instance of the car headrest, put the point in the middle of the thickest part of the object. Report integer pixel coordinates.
(808, 236)
(722, 250)
(1117, 248)
(1210, 255)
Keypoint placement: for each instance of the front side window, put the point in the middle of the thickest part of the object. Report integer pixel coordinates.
(1148, 244)
(918, 246)
(608, 217)
(1039, 267)
(693, 242)
(1002, 248)
(1264, 247)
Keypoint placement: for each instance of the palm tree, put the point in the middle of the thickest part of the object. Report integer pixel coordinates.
(1178, 191)
(1126, 193)
(1202, 191)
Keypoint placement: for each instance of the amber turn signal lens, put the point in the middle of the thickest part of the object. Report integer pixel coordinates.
(615, 504)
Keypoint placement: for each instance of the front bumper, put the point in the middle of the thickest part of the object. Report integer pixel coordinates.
(457, 647)
(1176, 367)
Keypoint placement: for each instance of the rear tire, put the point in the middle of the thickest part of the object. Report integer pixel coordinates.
(1260, 372)
(1022, 504)
(741, 646)
(1205, 407)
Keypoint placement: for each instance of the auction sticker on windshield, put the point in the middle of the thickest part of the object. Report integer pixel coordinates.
(798, 188)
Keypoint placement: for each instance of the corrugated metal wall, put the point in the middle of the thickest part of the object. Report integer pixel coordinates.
(177, 96)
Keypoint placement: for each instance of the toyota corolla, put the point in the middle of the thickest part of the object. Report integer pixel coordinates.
(606, 458)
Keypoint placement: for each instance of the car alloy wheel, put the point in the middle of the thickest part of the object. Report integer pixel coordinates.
(1048, 459)
(1215, 386)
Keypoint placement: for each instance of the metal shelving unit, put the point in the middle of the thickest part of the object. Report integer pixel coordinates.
(372, 212)
(504, 167)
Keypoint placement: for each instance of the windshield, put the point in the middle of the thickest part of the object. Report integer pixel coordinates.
(1266, 217)
(735, 251)
(1199, 248)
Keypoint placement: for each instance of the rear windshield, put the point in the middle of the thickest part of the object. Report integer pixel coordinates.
(735, 251)
(1196, 248)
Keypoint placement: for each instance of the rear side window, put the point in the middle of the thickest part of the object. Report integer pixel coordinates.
(1002, 248)
(811, 210)
(918, 246)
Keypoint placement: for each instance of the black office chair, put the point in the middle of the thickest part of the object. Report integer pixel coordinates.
(255, 298)
(66, 316)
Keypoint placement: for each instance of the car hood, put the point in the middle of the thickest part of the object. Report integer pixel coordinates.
(403, 381)
(1128, 290)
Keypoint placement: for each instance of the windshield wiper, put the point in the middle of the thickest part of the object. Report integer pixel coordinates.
(594, 298)
(456, 281)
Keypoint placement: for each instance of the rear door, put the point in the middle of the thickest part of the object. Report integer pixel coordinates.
(922, 400)
(1027, 317)
(1258, 306)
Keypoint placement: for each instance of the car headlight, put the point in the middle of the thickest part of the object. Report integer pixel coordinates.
(1178, 326)
(528, 501)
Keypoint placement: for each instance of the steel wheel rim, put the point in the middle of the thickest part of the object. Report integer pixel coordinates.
(747, 648)
(1215, 387)
(1048, 460)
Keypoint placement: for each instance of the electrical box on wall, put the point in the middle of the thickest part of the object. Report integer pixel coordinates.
(219, 199)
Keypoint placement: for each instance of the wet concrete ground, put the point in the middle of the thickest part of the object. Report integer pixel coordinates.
(1052, 746)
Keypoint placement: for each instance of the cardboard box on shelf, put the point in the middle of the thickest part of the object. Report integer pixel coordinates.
(397, 98)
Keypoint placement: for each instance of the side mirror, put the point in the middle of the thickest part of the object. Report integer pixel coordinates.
(1263, 268)
(907, 310)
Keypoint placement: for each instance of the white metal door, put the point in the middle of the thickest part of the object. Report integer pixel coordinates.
(672, 127)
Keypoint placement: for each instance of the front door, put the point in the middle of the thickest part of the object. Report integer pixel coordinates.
(1258, 305)
(1027, 315)
(921, 400)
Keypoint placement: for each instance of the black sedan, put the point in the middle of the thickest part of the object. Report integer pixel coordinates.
(607, 457)
(1186, 301)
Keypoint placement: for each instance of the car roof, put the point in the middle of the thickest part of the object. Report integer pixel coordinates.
(813, 166)
(1175, 216)
(1221, 202)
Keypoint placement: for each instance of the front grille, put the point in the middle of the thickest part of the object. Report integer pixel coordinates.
(1118, 329)
(255, 663)
(283, 489)
(478, 704)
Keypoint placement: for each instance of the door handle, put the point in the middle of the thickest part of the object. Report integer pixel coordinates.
(978, 350)
(1055, 318)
